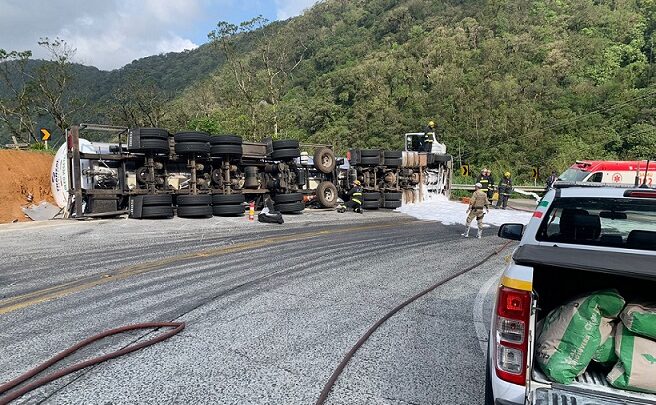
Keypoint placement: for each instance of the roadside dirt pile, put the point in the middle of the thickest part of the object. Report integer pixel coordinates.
(23, 173)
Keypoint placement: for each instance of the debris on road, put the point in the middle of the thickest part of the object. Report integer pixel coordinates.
(41, 212)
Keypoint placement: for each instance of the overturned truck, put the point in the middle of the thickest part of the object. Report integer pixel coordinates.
(150, 173)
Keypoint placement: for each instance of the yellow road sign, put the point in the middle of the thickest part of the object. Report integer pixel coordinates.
(535, 172)
(464, 170)
(45, 134)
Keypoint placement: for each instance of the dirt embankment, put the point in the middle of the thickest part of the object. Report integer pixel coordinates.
(23, 173)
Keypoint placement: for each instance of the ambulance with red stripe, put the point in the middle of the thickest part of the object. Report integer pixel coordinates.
(582, 238)
(611, 172)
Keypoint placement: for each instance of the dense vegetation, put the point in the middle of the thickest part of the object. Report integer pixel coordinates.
(511, 83)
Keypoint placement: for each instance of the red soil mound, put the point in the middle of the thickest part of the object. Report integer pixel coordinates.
(23, 173)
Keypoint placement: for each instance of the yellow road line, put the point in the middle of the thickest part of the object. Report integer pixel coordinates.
(62, 290)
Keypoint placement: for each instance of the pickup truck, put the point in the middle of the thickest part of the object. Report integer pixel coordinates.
(579, 240)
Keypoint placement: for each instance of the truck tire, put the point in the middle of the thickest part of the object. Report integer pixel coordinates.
(228, 199)
(191, 200)
(442, 158)
(228, 210)
(286, 144)
(324, 160)
(371, 205)
(327, 194)
(392, 154)
(155, 200)
(192, 137)
(157, 212)
(370, 153)
(226, 140)
(290, 208)
(393, 196)
(283, 154)
(154, 133)
(184, 148)
(287, 198)
(370, 161)
(194, 211)
(392, 204)
(157, 146)
(393, 162)
(141, 175)
(371, 196)
(229, 149)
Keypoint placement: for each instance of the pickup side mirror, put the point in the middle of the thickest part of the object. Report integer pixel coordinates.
(511, 231)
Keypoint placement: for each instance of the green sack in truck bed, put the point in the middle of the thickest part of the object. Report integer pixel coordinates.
(636, 368)
(571, 334)
(640, 319)
(605, 353)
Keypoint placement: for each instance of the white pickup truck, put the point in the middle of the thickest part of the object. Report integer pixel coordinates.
(580, 239)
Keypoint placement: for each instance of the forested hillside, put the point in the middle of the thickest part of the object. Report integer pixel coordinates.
(512, 84)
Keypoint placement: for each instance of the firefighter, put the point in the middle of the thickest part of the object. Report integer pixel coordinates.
(355, 197)
(551, 180)
(490, 191)
(428, 137)
(477, 204)
(484, 179)
(505, 188)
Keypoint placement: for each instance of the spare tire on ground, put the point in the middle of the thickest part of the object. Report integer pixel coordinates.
(290, 208)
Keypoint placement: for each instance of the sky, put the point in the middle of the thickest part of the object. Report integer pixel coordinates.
(109, 34)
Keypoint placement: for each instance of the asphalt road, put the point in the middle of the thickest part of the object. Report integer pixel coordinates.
(270, 310)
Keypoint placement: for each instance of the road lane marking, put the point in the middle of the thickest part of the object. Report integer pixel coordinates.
(480, 323)
(62, 290)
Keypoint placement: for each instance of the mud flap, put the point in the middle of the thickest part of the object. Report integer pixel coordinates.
(136, 206)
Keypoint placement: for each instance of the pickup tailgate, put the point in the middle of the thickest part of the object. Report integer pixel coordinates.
(556, 396)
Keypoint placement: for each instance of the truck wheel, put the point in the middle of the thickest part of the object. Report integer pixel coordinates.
(324, 160)
(392, 204)
(142, 175)
(286, 144)
(393, 196)
(230, 149)
(327, 194)
(228, 199)
(157, 212)
(372, 196)
(282, 154)
(155, 200)
(287, 198)
(184, 148)
(192, 137)
(371, 205)
(153, 133)
(157, 146)
(290, 208)
(191, 200)
(226, 140)
(228, 210)
(370, 153)
(370, 161)
(195, 211)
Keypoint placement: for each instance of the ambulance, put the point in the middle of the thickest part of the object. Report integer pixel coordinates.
(611, 172)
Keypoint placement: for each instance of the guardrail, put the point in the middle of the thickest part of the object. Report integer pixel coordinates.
(528, 189)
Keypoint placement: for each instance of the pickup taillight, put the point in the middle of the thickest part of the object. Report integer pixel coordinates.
(511, 334)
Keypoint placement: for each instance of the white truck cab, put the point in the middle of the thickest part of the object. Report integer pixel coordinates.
(579, 239)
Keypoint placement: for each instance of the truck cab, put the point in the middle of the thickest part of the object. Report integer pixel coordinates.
(581, 239)
(424, 142)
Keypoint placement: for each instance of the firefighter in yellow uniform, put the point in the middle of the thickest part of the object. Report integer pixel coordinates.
(428, 137)
(477, 204)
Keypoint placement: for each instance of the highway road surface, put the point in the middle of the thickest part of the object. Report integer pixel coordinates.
(270, 310)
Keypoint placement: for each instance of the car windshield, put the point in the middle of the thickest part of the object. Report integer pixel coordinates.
(573, 175)
(614, 222)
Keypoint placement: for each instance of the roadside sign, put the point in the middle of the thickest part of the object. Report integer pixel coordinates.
(535, 172)
(464, 170)
(45, 134)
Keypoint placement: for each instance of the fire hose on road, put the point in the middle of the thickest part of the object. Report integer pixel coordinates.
(7, 397)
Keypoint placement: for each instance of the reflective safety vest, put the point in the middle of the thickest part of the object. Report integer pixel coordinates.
(356, 197)
(485, 182)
